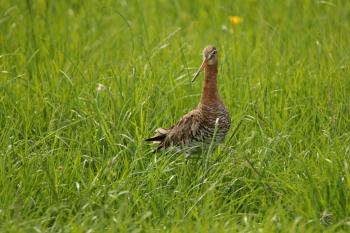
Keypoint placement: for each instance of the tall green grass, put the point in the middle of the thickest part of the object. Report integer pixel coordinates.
(82, 83)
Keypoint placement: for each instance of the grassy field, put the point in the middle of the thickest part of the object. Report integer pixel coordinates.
(82, 83)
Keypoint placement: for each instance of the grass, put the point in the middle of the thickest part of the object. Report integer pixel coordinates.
(82, 83)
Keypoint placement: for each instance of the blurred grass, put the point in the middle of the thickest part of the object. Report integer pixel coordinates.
(83, 82)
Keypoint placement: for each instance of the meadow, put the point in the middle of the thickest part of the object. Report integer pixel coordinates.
(83, 83)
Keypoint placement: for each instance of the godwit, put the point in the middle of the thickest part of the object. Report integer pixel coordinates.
(197, 128)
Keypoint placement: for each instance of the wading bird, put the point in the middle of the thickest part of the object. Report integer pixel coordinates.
(208, 123)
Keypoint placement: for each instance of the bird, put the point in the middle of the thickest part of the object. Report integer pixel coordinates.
(209, 122)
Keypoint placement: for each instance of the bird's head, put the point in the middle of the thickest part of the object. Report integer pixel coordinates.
(210, 57)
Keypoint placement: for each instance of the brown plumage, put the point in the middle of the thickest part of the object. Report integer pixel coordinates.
(196, 128)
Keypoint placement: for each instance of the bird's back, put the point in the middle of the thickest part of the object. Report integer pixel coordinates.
(196, 128)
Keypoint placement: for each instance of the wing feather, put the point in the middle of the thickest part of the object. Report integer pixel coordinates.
(184, 131)
(181, 133)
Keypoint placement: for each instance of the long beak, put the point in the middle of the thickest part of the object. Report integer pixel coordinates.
(204, 63)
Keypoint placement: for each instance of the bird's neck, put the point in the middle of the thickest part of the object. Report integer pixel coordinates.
(210, 94)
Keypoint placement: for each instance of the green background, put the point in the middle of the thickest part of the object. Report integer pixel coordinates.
(82, 83)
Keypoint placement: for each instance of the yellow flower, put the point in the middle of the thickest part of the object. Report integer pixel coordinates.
(235, 20)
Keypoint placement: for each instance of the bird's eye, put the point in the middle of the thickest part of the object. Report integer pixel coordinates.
(212, 54)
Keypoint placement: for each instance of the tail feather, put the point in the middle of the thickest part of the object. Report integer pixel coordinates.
(161, 133)
(157, 138)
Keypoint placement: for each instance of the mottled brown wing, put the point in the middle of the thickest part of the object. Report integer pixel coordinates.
(184, 131)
